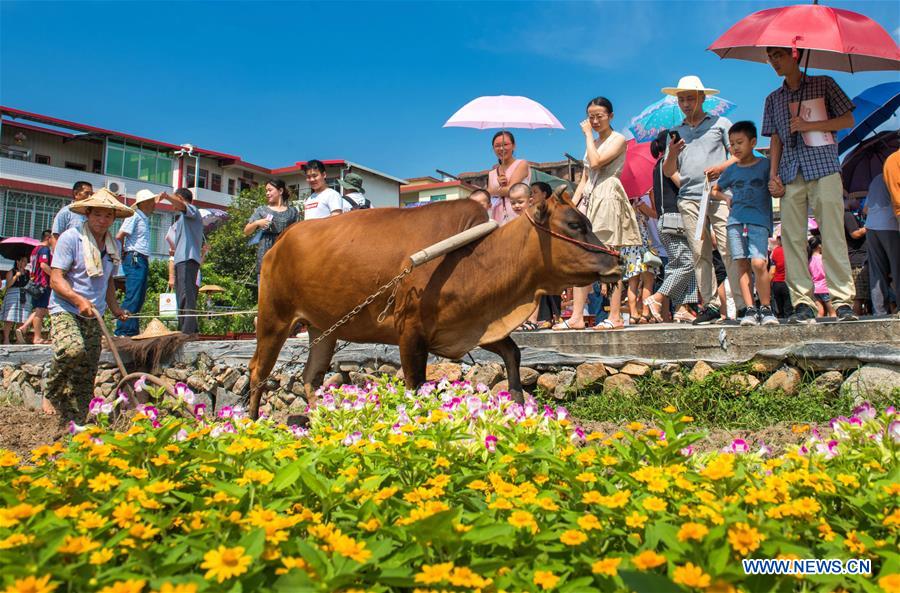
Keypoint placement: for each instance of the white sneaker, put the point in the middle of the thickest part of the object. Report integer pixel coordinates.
(766, 317)
(750, 317)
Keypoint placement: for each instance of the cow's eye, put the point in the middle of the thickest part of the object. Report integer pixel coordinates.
(576, 226)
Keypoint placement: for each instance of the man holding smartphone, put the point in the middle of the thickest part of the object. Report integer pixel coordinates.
(697, 155)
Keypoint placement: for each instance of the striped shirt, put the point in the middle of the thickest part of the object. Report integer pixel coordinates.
(813, 162)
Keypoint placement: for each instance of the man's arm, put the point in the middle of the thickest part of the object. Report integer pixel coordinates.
(670, 164)
(835, 124)
(62, 288)
(176, 202)
(111, 301)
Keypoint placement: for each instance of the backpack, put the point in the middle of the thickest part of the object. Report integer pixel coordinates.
(367, 203)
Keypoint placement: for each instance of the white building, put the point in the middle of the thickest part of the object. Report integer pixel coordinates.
(41, 157)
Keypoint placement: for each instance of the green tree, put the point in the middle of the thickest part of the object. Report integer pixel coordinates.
(229, 254)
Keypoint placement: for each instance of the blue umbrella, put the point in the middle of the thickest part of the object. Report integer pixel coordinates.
(874, 106)
(665, 114)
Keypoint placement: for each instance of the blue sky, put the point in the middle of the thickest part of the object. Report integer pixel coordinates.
(371, 82)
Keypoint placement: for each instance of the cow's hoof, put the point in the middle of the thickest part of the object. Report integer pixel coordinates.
(301, 420)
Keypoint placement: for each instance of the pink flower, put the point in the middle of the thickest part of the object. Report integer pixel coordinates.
(141, 383)
(226, 412)
(893, 431)
(150, 412)
(738, 446)
(75, 428)
(199, 411)
(490, 443)
(865, 412)
(687, 451)
(121, 397)
(182, 391)
(829, 450)
(94, 406)
(764, 450)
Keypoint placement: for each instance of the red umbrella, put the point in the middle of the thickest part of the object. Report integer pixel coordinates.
(839, 39)
(637, 174)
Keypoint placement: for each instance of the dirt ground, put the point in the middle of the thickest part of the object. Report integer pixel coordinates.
(23, 429)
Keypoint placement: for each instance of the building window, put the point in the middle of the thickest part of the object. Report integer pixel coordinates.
(216, 184)
(438, 198)
(42, 159)
(75, 166)
(27, 215)
(135, 161)
(231, 187)
(203, 182)
(97, 167)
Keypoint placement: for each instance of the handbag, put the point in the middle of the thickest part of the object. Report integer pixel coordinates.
(670, 223)
(35, 290)
(652, 260)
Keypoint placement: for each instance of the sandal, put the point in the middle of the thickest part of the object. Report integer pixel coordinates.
(544, 325)
(655, 308)
(564, 325)
(607, 325)
(20, 337)
(682, 317)
(528, 326)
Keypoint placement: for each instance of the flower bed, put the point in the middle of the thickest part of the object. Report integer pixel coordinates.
(447, 489)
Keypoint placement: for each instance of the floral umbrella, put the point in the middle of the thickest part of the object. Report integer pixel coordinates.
(665, 114)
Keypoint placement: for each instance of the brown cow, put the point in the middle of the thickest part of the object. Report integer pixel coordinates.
(473, 296)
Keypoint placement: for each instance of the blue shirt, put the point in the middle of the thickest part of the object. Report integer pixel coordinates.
(751, 202)
(188, 235)
(65, 219)
(137, 233)
(68, 257)
(813, 162)
(880, 215)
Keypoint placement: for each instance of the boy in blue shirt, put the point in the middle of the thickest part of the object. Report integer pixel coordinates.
(750, 220)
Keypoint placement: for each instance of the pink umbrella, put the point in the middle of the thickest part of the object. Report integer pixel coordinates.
(637, 174)
(503, 111)
(16, 247)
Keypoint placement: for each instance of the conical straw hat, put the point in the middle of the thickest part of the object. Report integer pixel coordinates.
(154, 329)
(102, 199)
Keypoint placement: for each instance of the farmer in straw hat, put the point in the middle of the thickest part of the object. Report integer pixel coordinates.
(697, 153)
(81, 280)
(135, 238)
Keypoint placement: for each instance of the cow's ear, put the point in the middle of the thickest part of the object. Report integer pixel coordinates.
(559, 193)
(542, 211)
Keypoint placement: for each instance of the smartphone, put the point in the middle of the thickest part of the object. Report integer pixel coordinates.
(675, 136)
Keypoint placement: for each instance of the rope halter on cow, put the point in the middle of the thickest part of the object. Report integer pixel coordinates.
(586, 246)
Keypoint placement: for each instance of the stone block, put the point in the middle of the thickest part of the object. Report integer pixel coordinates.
(31, 370)
(336, 379)
(387, 369)
(227, 378)
(619, 384)
(743, 381)
(589, 374)
(30, 398)
(230, 399)
(178, 374)
(197, 383)
(489, 374)
(872, 382)
(547, 382)
(564, 381)
(449, 370)
(528, 376)
(763, 365)
(298, 388)
(700, 371)
(500, 386)
(786, 379)
(829, 381)
(635, 369)
(361, 378)
(241, 384)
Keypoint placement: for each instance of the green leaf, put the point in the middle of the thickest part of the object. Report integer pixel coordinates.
(286, 476)
(230, 488)
(254, 542)
(647, 582)
(490, 533)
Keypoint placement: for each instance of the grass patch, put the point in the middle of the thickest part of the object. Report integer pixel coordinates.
(716, 402)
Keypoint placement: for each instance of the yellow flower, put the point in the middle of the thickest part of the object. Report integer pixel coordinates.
(129, 586)
(256, 476)
(521, 448)
(78, 545)
(350, 548)
(182, 588)
(224, 563)
(11, 516)
(853, 543)
(370, 525)
(126, 514)
(290, 563)
(691, 576)
(670, 409)
(143, 531)
(744, 539)
(521, 519)
(103, 482)
(635, 426)
(160, 487)
(8, 458)
(890, 583)
(573, 537)
(463, 576)
(15, 540)
(32, 585)
(587, 477)
(690, 530)
(589, 522)
(648, 559)
(722, 466)
(102, 556)
(545, 579)
(607, 566)
(548, 504)
(434, 573)
(90, 520)
(635, 520)
(655, 504)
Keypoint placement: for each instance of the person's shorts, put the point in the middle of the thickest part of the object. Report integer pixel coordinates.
(41, 302)
(823, 297)
(861, 282)
(754, 246)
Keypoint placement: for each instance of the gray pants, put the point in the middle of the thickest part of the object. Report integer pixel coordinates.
(186, 294)
(680, 282)
(884, 261)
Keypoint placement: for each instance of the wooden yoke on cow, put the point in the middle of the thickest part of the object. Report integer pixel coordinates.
(450, 243)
